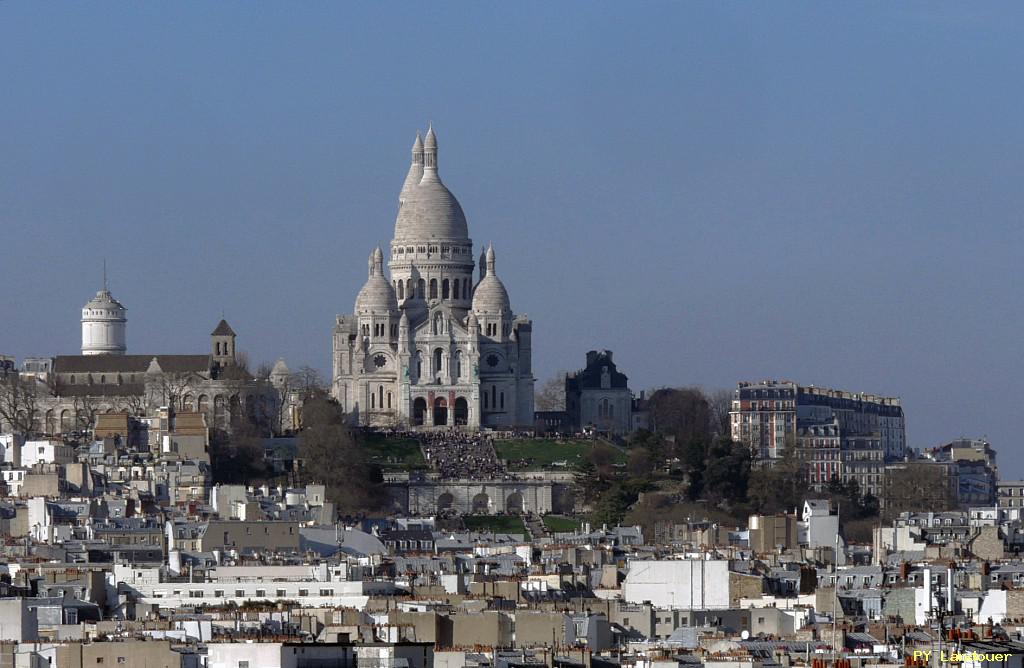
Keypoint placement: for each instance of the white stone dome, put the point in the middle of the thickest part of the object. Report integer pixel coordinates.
(428, 210)
(490, 296)
(377, 295)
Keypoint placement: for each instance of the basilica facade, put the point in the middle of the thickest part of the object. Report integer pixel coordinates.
(432, 345)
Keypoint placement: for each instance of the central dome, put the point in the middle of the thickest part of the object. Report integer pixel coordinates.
(427, 209)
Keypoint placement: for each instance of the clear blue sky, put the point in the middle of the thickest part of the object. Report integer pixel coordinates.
(824, 192)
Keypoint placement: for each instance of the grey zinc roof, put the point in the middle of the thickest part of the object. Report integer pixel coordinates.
(129, 363)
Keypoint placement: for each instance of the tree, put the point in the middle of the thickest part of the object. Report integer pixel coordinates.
(238, 458)
(641, 463)
(19, 402)
(551, 394)
(590, 483)
(682, 413)
(332, 456)
(727, 472)
(308, 382)
(171, 388)
(918, 485)
(780, 488)
(720, 403)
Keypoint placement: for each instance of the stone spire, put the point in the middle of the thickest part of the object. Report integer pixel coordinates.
(490, 260)
(415, 171)
(483, 263)
(430, 151)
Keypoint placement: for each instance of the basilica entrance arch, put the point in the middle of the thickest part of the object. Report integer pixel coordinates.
(445, 502)
(419, 410)
(514, 504)
(440, 412)
(481, 504)
(461, 411)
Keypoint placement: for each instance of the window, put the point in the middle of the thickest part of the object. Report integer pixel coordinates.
(239, 593)
(218, 593)
(327, 592)
(445, 294)
(433, 288)
(455, 288)
(281, 593)
(261, 593)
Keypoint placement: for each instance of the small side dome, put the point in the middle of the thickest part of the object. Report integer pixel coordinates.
(377, 295)
(490, 296)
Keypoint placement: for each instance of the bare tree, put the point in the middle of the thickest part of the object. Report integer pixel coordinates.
(86, 409)
(720, 403)
(242, 360)
(551, 394)
(172, 388)
(308, 382)
(133, 404)
(19, 402)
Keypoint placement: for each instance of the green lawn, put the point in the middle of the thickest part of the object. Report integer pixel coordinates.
(558, 524)
(496, 523)
(394, 453)
(547, 453)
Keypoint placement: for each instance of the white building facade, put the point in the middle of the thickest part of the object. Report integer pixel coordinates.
(430, 346)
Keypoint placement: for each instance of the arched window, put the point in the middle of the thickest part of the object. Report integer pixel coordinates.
(389, 400)
(444, 289)
(103, 380)
(71, 380)
(372, 398)
(437, 360)
(433, 288)
(380, 396)
(465, 289)
(421, 289)
(494, 395)
(218, 347)
(457, 373)
(611, 410)
(502, 395)
(455, 289)
(401, 290)
(485, 401)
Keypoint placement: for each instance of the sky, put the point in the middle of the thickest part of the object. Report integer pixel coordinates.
(823, 192)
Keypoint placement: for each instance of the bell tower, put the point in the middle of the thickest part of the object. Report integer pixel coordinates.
(222, 344)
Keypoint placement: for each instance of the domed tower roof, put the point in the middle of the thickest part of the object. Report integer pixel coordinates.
(377, 295)
(490, 296)
(104, 301)
(428, 209)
